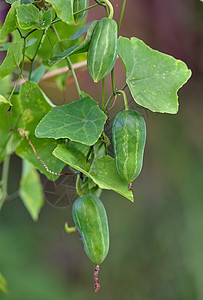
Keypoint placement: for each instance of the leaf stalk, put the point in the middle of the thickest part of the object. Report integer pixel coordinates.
(69, 63)
(122, 13)
(111, 10)
(5, 173)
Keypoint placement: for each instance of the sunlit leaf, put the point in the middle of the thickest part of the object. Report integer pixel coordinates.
(11, 1)
(3, 284)
(30, 42)
(4, 47)
(81, 121)
(31, 191)
(38, 73)
(80, 31)
(153, 77)
(9, 123)
(64, 10)
(28, 16)
(45, 19)
(12, 59)
(83, 47)
(26, 1)
(5, 85)
(63, 44)
(3, 100)
(10, 23)
(103, 171)
(35, 107)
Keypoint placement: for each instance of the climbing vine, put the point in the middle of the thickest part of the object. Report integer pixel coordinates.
(47, 36)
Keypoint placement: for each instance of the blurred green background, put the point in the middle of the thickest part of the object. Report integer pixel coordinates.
(156, 246)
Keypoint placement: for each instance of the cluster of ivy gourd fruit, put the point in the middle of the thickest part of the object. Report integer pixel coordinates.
(48, 137)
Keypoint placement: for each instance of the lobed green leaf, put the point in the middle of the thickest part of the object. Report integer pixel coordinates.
(153, 77)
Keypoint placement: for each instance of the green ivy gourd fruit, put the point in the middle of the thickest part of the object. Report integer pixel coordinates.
(129, 136)
(103, 49)
(77, 6)
(91, 221)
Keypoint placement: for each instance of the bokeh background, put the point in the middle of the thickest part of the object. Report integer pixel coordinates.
(156, 246)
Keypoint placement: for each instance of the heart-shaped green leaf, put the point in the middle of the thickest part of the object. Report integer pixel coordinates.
(80, 121)
(153, 77)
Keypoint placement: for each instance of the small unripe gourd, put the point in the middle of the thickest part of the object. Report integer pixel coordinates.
(91, 221)
(129, 136)
(77, 6)
(103, 49)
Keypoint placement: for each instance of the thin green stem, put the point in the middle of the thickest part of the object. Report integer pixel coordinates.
(103, 93)
(19, 32)
(85, 9)
(30, 32)
(33, 59)
(125, 85)
(122, 13)
(124, 98)
(106, 9)
(111, 10)
(21, 71)
(56, 21)
(5, 172)
(69, 63)
(77, 12)
(115, 92)
(108, 101)
(100, 3)
(113, 81)
(78, 188)
(13, 196)
(23, 60)
(44, 3)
